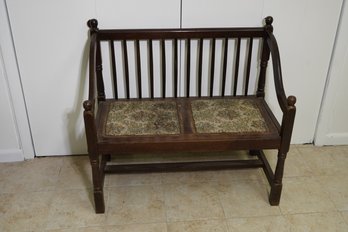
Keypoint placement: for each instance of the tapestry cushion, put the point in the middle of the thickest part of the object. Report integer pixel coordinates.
(227, 116)
(142, 118)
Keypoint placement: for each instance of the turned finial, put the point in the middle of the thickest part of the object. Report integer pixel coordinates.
(291, 100)
(87, 105)
(269, 21)
(93, 25)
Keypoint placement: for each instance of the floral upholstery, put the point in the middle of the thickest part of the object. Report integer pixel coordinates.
(160, 117)
(227, 116)
(142, 118)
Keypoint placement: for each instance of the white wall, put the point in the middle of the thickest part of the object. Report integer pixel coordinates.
(15, 137)
(50, 39)
(305, 30)
(332, 125)
(9, 144)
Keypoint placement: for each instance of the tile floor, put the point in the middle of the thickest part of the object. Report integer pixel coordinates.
(54, 194)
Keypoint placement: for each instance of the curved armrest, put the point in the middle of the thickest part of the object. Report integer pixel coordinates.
(89, 104)
(277, 72)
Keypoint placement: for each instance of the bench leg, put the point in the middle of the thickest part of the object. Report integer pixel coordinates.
(276, 186)
(97, 184)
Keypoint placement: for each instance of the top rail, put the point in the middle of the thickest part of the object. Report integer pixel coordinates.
(193, 33)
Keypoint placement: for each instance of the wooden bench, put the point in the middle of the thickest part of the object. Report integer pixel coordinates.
(184, 90)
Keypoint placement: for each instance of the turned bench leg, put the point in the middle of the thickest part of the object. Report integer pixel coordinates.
(97, 176)
(277, 185)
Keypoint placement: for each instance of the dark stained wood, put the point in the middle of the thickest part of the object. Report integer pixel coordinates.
(188, 66)
(200, 54)
(163, 61)
(236, 67)
(247, 76)
(152, 84)
(99, 71)
(212, 67)
(126, 68)
(183, 166)
(138, 67)
(224, 60)
(113, 67)
(175, 67)
(278, 135)
(193, 33)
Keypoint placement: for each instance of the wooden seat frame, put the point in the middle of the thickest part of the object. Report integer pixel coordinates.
(100, 147)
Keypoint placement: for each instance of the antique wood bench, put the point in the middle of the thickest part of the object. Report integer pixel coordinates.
(175, 90)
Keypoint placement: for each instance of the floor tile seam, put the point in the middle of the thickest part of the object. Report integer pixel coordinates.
(343, 218)
(128, 186)
(309, 212)
(199, 219)
(312, 213)
(221, 204)
(248, 217)
(107, 202)
(165, 205)
(18, 192)
(134, 223)
(131, 185)
(251, 217)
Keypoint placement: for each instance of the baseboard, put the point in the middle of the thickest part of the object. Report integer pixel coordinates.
(11, 155)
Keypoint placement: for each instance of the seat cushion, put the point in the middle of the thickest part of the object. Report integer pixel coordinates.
(142, 118)
(227, 116)
(186, 116)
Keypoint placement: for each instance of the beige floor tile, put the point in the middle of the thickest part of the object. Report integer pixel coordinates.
(40, 174)
(345, 216)
(317, 222)
(194, 201)
(136, 204)
(245, 198)
(24, 211)
(341, 161)
(304, 195)
(133, 179)
(322, 162)
(239, 174)
(155, 227)
(188, 177)
(74, 208)
(81, 229)
(295, 165)
(259, 224)
(337, 188)
(201, 226)
(196, 156)
(76, 173)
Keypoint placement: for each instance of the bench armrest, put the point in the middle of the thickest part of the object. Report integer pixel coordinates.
(89, 104)
(287, 104)
(284, 102)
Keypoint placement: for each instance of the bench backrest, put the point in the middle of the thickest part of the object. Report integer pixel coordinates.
(162, 63)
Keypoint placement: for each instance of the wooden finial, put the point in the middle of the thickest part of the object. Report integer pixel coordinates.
(269, 21)
(93, 25)
(87, 105)
(291, 100)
